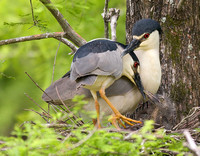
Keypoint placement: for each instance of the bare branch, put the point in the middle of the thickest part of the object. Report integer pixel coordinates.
(54, 64)
(38, 86)
(70, 33)
(32, 37)
(191, 144)
(49, 116)
(53, 125)
(113, 22)
(112, 17)
(68, 43)
(84, 139)
(74, 116)
(32, 12)
(106, 19)
(57, 35)
(189, 120)
(37, 113)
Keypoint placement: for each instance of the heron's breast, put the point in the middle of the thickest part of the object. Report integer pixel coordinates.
(150, 74)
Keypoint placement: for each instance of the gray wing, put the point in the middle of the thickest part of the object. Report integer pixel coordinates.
(67, 90)
(98, 57)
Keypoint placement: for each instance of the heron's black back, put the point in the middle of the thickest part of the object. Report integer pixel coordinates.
(97, 46)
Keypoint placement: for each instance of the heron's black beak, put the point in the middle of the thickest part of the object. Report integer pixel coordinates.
(139, 84)
(130, 48)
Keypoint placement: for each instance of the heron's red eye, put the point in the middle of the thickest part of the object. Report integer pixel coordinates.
(146, 35)
(136, 64)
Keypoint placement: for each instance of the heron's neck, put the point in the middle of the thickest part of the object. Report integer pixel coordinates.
(150, 69)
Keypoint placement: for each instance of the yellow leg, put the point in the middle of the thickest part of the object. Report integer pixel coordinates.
(98, 113)
(118, 116)
(97, 122)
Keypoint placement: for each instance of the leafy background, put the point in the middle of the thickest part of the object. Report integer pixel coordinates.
(37, 57)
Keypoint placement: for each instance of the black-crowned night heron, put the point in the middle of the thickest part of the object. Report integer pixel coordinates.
(98, 66)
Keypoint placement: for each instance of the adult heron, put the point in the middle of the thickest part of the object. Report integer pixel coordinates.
(98, 66)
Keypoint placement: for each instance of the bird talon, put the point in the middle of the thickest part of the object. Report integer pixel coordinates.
(119, 118)
(119, 121)
(128, 122)
(125, 119)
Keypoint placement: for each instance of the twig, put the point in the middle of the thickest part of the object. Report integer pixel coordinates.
(191, 144)
(34, 82)
(54, 64)
(113, 22)
(37, 113)
(49, 116)
(32, 37)
(52, 106)
(68, 43)
(70, 33)
(38, 85)
(65, 105)
(32, 12)
(192, 113)
(52, 125)
(63, 141)
(163, 150)
(84, 140)
(129, 136)
(106, 19)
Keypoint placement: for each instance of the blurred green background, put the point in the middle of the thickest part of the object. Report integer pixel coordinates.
(37, 57)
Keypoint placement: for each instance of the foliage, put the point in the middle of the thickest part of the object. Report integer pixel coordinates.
(62, 135)
(37, 139)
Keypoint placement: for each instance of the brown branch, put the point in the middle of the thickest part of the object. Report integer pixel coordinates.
(38, 85)
(32, 37)
(57, 35)
(106, 19)
(191, 117)
(48, 115)
(68, 43)
(70, 33)
(84, 139)
(37, 113)
(32, 12)
(74, 116)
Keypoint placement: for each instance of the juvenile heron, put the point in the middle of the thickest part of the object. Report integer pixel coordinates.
(97, 66)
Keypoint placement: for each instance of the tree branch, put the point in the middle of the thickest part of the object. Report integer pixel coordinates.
(191, 144)
(32, 12)
(106, 19)
(114, 15)
(68, 43)
(32, 37)
(54, 63)
(57, 35)
(70, 33)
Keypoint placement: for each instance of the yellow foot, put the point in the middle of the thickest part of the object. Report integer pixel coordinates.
(96, 123)
(119, 118)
